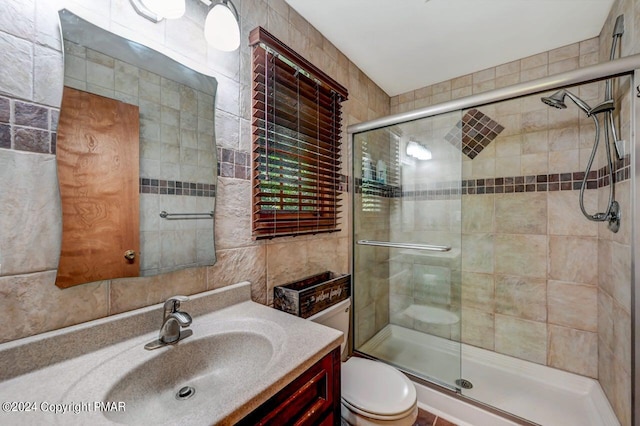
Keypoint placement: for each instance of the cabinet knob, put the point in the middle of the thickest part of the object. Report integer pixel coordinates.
(130, 255)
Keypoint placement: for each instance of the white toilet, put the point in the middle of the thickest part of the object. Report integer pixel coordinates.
(373, 393)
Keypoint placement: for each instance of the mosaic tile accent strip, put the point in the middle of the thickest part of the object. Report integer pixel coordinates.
(475, 132)
(234, 164)
(570, 181)
(27, 126)
(172, 187)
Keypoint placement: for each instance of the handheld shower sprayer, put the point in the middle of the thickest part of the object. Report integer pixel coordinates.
(556, 100)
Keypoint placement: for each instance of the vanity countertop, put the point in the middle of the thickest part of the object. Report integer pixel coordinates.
(73, 370)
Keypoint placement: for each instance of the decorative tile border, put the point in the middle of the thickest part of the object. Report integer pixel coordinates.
(26, 126)
(475, 132)
(173, 187)
(234, 164)
(570, 181)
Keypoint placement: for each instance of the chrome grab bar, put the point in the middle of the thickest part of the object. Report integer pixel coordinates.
(165, 215)
(411, 246)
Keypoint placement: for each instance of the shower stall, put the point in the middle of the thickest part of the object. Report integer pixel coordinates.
(474, 268)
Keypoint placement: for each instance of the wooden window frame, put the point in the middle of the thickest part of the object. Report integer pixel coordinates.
(296, 142)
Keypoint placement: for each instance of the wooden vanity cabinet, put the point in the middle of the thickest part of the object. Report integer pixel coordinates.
(311, 399)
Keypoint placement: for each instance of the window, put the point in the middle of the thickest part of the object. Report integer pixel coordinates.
(296, 142)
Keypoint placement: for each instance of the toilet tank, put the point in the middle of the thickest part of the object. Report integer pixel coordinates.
(337, 317)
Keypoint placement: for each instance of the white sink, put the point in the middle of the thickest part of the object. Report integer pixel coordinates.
(226, 359)
(240, 354)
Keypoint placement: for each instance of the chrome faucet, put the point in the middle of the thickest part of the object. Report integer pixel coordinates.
(172, 323)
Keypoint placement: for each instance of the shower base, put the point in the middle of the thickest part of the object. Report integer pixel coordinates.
(531, 391)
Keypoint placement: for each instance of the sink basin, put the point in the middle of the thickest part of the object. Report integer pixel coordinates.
(203, 368)
(172, 384)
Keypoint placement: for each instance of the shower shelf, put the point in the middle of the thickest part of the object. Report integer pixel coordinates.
(411, 246)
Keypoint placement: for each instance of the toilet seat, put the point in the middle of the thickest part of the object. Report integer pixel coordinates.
(363, 394)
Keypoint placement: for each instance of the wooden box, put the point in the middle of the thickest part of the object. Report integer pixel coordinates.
(311, 295)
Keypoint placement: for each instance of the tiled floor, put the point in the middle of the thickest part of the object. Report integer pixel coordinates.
(426, 418)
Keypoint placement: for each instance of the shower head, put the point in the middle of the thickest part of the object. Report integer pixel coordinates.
(557, 101)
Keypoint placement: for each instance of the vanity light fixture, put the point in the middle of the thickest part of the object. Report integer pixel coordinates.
(419, 151)
(221, 27)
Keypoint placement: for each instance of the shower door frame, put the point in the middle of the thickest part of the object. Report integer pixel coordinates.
(627, 66)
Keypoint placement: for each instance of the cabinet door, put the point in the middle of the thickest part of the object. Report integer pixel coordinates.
(311, 399)
(98, 171)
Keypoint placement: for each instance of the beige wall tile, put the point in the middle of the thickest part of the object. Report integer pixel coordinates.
(477, 214)
(573, 305)
(478, 328)
(621, 275)
(477, 253)
(30, 210)
(615, 383)
(573, 259)
(32, 304)
(478, 291)
(233, 214)
(286, 262)
(521, 297)
(534, 164)
(565, 52)
(521, 255)
(535, 142)
(521, 338)
(534, 61)
(126, 294)
(573, 350)
(521, 213)
(508, 68)
(241, 264)
(565, 216)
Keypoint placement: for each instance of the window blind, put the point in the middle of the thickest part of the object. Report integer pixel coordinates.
(296, 127)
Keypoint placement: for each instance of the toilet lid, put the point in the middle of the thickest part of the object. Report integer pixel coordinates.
(376, 388)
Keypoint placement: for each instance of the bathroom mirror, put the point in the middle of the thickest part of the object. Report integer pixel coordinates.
(170, 125)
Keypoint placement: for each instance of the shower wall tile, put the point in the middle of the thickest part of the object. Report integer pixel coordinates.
(621, 275)
(521, 297)
(615, 383)
(572, 254)
(573, 259)
(478, 254)
(564, 216)
(573, 350)
(573, 305)
(523, 339)
(478, 328)
(521, 213)
(366, 324)
(521, 255)
(478, 291)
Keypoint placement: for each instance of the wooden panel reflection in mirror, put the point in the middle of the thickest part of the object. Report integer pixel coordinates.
(98, 172)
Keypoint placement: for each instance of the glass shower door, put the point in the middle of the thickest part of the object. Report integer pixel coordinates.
(407, 236)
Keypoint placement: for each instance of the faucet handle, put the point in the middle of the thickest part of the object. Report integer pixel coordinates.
(173, 303)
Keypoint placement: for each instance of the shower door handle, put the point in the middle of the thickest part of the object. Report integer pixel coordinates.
(411, 246)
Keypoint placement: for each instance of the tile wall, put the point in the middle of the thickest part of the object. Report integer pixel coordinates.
(614, 250)
(32, 74)
(539, 281)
